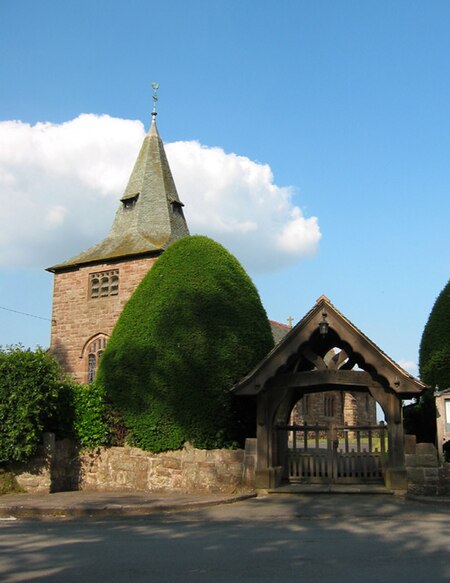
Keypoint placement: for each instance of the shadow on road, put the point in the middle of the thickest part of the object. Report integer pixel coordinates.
(281, 538)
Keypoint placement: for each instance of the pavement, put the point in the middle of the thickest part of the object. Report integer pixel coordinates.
(83, 503)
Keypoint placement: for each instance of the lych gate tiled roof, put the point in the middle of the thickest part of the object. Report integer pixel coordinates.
(150, 216)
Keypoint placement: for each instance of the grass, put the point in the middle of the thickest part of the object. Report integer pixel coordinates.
(352, 444)
(8, 483)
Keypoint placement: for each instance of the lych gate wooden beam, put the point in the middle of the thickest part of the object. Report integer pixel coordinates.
(337, 360)
(322, 377)
(313, 358)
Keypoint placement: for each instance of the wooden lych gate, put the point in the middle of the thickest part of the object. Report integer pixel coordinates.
(326, 352)
(334, 454)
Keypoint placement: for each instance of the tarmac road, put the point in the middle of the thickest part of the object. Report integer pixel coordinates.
(302, 538)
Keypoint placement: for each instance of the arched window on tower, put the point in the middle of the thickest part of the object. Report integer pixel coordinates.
(93, 354)
(328, 406)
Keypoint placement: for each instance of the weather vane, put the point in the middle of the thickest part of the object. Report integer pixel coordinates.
(155, 87)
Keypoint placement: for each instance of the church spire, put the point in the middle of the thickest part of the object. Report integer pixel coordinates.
(150, 216)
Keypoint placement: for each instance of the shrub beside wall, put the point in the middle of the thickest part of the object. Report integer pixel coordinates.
(434, 367)
(193, 327)
(29, 385)
(434, 354)
(90, 426)
(36, 397)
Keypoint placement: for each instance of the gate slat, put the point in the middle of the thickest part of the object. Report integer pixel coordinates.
(307, 460)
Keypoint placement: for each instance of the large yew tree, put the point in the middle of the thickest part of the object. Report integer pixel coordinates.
(434, 355)
(193, 327)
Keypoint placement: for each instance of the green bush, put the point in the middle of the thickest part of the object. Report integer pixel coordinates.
(434, 367)
(90, 427)
(36, 397)
(81, 414)
(8, 483)
(434, 354)
(194, 326)
(29, 385)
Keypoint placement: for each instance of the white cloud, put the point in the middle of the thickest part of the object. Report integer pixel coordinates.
(410, 366)
(60, 185)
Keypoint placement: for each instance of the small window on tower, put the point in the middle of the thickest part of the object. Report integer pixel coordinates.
(102, 285)
(129, 201)
(95, 287)
(177, 207)
(306, 404)
(328, 409)
(114, 287)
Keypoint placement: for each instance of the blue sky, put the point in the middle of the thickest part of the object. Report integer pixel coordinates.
(347, 102)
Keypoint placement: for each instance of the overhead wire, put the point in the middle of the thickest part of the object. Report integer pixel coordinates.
(25, 314)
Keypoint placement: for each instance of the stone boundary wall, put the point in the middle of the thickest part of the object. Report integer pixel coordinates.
(426, 476)
(61, 467)
(34, 476)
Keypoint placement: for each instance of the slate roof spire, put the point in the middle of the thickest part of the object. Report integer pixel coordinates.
(150, 216)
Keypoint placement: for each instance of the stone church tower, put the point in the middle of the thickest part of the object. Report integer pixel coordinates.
(91, 289)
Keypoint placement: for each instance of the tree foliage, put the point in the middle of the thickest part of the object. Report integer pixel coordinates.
(193, 327)
(434, 367)
(90, 416)
(29, 385)
(35, 397)
(434, 354)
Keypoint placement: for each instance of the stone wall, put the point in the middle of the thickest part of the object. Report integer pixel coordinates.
(35, 475)
(426, 476)
(131, 469)
(77, 318)
(59, 467)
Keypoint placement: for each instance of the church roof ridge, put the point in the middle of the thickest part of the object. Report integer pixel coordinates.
(150, 215)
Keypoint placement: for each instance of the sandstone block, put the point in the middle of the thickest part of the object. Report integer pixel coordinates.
(426, 449)
(171, 463)
(415, 475)
(410, 444)
(424, 461)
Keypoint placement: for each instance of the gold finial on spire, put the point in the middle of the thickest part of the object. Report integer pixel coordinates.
(155, 87)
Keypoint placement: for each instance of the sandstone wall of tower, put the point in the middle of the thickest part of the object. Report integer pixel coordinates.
(78, 318)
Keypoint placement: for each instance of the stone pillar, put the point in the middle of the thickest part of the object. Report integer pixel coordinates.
(443, 435)
(249, 465)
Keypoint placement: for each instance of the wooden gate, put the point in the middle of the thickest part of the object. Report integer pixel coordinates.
(335, 454)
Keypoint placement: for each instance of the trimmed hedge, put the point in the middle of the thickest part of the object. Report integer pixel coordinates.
(434, 368)
(434, 354)
(193, 327)
(30, 382)
(36, 397)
